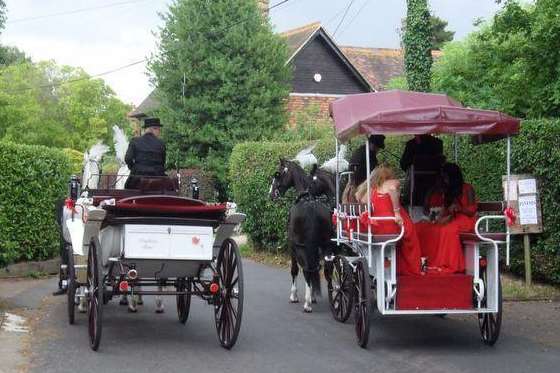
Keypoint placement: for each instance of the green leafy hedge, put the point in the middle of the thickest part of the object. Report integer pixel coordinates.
(32, 178)
(252, 165)
(535, 151)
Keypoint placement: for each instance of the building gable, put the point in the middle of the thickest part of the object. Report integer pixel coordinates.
(320, 68)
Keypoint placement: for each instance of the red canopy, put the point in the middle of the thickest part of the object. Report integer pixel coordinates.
(414, 113)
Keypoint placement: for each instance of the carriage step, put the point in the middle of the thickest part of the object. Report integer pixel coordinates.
(431, 292)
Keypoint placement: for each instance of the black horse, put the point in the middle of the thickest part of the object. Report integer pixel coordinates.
(309, 228)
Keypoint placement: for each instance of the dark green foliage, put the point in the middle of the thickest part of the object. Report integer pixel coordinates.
(232, 70)
(440, 35)
(534, 152)
(417, 46)
(11, 56)
(32, 178)
(2, 14)
(508, 65)
(252, 166)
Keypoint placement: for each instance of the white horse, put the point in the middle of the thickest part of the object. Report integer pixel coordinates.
(92, 161)
(121, 145)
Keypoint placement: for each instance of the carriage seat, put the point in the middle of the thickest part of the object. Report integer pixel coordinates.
(166, 206)
(486, 208)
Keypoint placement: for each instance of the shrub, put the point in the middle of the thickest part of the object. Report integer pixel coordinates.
(76, 160)
(535, 151)
(32, 178)
(252, 165)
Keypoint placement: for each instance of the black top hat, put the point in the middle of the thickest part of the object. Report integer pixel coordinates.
(151, 122)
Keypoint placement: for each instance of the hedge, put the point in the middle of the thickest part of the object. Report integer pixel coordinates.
(252, 165)
(535, 151)
(32, 178)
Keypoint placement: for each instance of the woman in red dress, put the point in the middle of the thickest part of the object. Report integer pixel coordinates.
(385, 203)
(439, 239)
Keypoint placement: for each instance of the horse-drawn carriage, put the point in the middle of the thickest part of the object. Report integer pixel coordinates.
(365, 270)
(125, 241)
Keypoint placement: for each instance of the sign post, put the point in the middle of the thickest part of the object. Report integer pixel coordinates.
(524, 199)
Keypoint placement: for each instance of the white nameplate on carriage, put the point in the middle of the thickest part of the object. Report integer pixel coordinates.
(168, 242)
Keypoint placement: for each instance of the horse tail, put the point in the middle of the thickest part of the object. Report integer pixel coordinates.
(315, 280)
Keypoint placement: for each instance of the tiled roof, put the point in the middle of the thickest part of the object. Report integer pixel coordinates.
(378, 65)
(296, 38)
(149, 104)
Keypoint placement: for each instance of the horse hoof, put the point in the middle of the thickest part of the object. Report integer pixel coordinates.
(123, 302)
(294, 300)
(132, 310)
(160, 310)
(306, 310)
(314, 301)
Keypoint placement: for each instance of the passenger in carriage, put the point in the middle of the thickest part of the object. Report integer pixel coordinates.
(385, 193)
(455, 208)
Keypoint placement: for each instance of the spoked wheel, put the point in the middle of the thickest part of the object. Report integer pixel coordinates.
(184, 301)
(491, 323)
(95, 297)
(228, 308)
(341, 289)
(362, 283)
(71, 287)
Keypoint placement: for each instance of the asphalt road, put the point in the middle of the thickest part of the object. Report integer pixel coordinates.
(277, 336)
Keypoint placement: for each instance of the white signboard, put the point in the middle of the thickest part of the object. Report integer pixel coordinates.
(528, 210)
(527, 186)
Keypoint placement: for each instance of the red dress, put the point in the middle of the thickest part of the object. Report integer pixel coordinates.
(408, 248)
(440, 243)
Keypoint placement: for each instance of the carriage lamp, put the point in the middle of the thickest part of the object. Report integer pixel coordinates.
(214, 288)
(74, 187)
(123, 286)
(132, 274)
(195, 189)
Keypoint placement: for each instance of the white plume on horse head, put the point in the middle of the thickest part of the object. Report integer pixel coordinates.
(92, 158)
(343, 164)
(121, 145)
(305, 157)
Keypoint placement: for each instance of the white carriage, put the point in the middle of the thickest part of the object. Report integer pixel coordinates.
(365, 271)
(125, 242)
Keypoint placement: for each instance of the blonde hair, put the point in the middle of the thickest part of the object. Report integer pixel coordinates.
(378, 177)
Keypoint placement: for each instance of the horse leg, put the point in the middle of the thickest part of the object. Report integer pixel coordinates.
(308, 293)
(159, 301)
(293, 290)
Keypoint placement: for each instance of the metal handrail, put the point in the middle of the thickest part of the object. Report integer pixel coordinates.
(486, 218)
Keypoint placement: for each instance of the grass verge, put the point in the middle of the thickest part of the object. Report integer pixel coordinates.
(514, 289)
(280, 260)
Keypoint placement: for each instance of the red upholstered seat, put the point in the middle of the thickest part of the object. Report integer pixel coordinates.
(472, 237)
(163, 205)
(434, 292)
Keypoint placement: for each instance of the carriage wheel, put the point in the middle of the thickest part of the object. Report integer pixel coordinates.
(362, 302)
(71, 288)
(228, 308)
(95, 297)
(184, 301)
(491, 323)
(341, 289)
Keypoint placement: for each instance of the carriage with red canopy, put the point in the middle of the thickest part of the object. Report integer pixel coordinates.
(365, 271)
(151, 241)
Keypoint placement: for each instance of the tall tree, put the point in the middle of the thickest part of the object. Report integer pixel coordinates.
(509, 64)
(440, 34)
(417, 46)
(36, 107)
(221, 76)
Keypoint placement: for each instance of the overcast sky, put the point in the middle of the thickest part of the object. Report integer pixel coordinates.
(120, 31)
